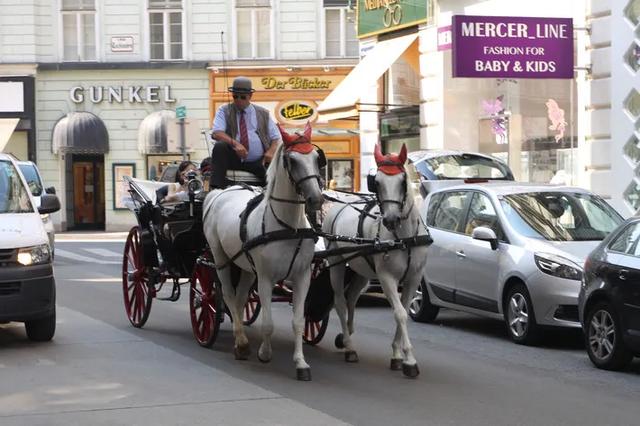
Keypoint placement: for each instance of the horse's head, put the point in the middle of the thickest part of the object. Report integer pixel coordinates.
(303, 163)
(391, 186)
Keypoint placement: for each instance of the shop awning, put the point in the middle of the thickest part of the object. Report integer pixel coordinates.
(7, 126)
(154, 132)
(80, 133)
(343, 101)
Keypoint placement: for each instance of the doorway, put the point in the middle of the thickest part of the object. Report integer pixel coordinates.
(88, 192)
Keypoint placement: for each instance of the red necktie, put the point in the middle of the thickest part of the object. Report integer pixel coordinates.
(244, 136)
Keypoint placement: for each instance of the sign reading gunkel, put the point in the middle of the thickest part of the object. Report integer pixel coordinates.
(380, 16)
(515, 47)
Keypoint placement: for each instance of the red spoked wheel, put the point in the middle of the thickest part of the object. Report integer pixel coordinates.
(314, 330)
(205, 304)
(135, 281)
(252, 307)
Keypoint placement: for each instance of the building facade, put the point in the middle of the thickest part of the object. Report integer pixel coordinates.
(100, 82)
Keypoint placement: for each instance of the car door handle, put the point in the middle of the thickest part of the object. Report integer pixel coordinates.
(461, 254)
(623, 275)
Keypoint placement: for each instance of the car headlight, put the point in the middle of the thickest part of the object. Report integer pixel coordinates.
(558, 266)
(34, 255)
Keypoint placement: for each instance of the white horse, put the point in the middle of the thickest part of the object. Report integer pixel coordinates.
(394, 217)
(293, 181)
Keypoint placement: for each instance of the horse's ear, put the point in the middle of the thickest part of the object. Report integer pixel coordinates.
(402, 157)
(286, 137)
(377, 154)
(307, 131)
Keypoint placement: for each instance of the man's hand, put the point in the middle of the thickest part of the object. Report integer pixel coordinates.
(268, 154)
(240, 150)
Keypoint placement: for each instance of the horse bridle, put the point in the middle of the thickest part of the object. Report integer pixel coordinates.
(402, 203)
(322, 162)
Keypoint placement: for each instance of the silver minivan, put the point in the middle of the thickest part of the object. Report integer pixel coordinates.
(510, 251)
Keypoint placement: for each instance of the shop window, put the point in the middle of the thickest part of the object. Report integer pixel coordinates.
(632, 12)
(339, 29)
(632, 57)
(632, 104)
(632, 195)
(79, 30)
(632, 150)
(340, 175)
(165, 30)
(253, 29)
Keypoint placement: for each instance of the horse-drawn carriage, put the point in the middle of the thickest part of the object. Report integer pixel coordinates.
(236, 243)
(168, 248)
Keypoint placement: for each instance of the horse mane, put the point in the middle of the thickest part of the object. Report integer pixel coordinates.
(272, 171)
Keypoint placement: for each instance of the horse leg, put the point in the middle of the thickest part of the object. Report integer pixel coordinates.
(265, 290)
(242, 348)
(390, 288)
(302, 282)
(356, 286)
(343, 340)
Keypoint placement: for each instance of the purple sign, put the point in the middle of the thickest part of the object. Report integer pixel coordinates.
(515, 47)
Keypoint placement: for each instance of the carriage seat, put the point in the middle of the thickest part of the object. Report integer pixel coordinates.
(241, 176)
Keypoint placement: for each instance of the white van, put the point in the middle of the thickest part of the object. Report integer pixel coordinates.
(27, 285)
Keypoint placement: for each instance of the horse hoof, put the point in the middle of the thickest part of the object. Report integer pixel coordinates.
(411, 371)
(351, 356)
(303, 374)
(339, 342)
(242, 352)
(396, 364)
(263, 360)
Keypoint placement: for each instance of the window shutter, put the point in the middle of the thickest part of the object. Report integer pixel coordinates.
(78, 5)
(336, 3)
(165, 4)
(253, 3)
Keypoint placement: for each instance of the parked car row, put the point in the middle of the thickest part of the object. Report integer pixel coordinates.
(531, 255)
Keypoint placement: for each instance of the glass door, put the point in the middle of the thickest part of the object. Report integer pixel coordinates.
(88, 192)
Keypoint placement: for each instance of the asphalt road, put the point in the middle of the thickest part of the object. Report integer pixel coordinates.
(471, 374)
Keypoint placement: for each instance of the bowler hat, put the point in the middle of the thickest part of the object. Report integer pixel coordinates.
(241, 85)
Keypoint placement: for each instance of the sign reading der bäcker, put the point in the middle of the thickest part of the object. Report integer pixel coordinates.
(514, 47)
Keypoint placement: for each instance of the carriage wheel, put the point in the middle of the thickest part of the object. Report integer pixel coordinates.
(204, 304)
(314, 330)
(135, 281)
(252, 307)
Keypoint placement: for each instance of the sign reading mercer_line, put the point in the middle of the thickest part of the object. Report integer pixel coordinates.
(514, 47)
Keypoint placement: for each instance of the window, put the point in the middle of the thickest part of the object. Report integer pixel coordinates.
(339, 29)
(627, 241)
(13, 196)
(79, 30)
(449, 213)
(253, 29)
(165, 29)
(482, 213)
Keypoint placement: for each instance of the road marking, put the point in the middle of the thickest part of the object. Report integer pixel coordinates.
(101, 240)
(73, 256)
(96, 280)
(103, 252)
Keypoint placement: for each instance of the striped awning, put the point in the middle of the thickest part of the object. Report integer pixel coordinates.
(80, 133)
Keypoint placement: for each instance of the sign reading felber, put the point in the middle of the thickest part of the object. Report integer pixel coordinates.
(515, 47)
(380, 16)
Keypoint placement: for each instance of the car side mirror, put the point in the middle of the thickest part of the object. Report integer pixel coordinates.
(49, 203)
(50, 190)
(483, 233)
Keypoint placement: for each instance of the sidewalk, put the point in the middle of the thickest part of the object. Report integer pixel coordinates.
(95, 374)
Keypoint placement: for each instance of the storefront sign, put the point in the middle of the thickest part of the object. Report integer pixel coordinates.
(12, 96)
(445, 35)
(122, 44)
(489, 46)
(296, 113)
(119, 94)
(381, 16)
(286, 83)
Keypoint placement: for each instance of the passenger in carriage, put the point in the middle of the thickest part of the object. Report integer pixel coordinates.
(178, 191)
(246, 136)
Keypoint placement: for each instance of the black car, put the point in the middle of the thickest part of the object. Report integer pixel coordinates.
(609, 301)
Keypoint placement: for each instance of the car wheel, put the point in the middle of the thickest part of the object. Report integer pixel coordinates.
(420, 308)
(519, 316)
(603, 338)
(41, 329)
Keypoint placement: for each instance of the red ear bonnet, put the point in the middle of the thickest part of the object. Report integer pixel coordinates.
(390, 164)
(297, 142)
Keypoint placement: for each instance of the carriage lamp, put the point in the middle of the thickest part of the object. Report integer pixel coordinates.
(34, 255)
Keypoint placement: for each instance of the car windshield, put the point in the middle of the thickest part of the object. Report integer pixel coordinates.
(464, 166)
(13, 196)
(560, 216)
(33, 179)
